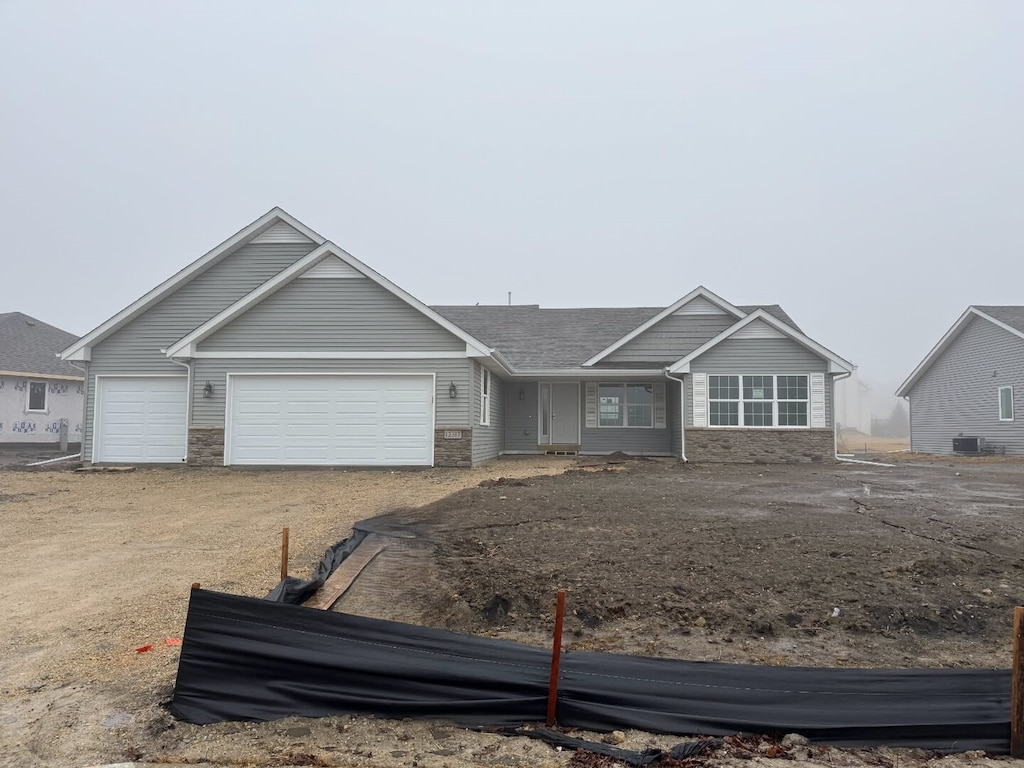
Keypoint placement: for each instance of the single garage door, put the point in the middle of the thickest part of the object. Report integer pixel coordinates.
(333, 420)
(140, 419)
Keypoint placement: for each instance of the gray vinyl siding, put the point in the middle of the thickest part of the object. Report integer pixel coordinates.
(135, 348)
(633, 440)
(520, 416)
(487, 441)
(209, 412)
(333, 314)
(759, 356)
(673, 338)
(959, 393)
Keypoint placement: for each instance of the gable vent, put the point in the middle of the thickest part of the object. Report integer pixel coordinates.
(758, 330)
(331, 268)
(699, 306)
(281, 233)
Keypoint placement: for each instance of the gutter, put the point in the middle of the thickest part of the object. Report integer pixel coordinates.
(85, 400)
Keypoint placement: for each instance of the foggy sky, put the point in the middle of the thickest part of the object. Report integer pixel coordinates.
(858, 163)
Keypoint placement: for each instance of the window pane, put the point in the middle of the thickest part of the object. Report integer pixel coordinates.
(757, 413)
(723, 387)
(722, 414)
(611, 401)
(1006, 403)
(792, 414)
(545, 408)
(757, 388)
(792, 387)
(37, 396)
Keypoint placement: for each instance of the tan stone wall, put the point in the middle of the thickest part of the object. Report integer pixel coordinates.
(762, 446)
(206, 446)
(452, 451)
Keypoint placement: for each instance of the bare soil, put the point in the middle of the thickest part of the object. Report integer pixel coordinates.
(733, 563)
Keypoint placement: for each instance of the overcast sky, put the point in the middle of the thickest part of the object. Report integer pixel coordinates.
(860, 163)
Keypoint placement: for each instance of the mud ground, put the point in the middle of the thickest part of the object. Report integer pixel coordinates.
(733, 563)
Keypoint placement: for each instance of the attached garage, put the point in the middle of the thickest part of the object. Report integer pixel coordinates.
(330, 420)
(140, 419)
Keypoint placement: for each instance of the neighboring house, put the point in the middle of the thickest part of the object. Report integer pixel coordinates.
(37, 389)
(279, 348)
(853, 404)
(970, 385)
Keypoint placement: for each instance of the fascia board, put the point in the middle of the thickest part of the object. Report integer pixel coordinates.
(835, 362)
(699, 291)
(80, 349)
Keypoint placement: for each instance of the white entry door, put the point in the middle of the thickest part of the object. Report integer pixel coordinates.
(140, 419)
(330, 419)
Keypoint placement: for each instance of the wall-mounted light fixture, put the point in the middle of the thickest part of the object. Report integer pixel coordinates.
(208, 389)
(522, 393)
(453, 391)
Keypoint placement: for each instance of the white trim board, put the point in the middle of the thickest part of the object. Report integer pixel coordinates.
(836, 363)
(298, 354)
(81, 349)
(700, 291)
(969, 314)
(186, 346)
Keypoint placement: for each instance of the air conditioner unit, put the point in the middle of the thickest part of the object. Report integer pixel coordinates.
(968, 444)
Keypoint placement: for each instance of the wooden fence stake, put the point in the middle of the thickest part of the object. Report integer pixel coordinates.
(556, 657)
(195, 585)
(1017, 691)
(284, 553)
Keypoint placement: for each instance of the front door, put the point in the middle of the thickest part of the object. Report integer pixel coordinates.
(560, 414)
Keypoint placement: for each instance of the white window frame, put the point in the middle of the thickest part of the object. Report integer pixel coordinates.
(28, 398)
(624, 406)
(775, 401)
(999, 396)
(485, 397)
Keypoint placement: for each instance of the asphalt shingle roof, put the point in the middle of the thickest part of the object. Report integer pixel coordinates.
(28, 345)
(534, 338)
(1011, 315)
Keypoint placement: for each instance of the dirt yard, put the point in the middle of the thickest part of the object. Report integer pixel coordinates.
(837, 565)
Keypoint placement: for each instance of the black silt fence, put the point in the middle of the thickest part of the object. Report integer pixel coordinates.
(248, 659)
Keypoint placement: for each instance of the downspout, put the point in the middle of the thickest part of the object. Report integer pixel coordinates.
(188, 399)
(835, 432)
(85, 401)
(682, 415)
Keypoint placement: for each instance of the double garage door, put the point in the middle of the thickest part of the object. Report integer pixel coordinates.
(331, 420)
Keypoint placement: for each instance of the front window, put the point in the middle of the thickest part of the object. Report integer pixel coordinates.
(1006, 403)
(761, 400)
(625, 405)
(485, 397)
(37, 395)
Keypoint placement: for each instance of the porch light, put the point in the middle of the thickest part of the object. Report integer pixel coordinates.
(522, 393)
(208, 390)
(453, 391)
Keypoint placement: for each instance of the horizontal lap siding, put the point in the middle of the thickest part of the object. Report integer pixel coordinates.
(209, 412)
(135, 348)
(671, 339)
(333, 314)
(959, 393)
(632, 440)
(488, 442)
(759, 356)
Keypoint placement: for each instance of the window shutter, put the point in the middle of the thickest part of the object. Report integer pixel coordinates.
(817, 386)
(700, 399)
(659, 405)
(591, 405)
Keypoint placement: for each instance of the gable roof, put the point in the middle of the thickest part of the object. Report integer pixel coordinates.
(1009, 318)
(700, 292)
(186, 346)
(570, 336)
(30, 347)
(836, 363)
(269, 225)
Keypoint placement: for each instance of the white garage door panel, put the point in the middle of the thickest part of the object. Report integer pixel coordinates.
(331, 420)
(141, 419)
